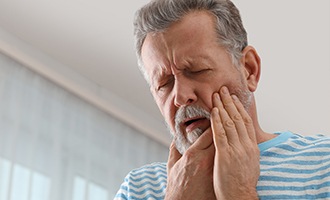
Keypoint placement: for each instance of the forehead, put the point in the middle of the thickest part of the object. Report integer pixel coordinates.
(154, 55)
(186, 39)
(190, 29)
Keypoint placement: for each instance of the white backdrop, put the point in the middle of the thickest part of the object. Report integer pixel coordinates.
(292, 38)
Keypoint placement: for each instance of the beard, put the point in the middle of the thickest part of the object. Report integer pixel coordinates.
(184, 140)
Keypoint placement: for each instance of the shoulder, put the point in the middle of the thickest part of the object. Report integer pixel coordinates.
(309, 155)
(153, 169)
(306, 151)
(297, 168)
(293, 142)
(311, 141)
(148, 181)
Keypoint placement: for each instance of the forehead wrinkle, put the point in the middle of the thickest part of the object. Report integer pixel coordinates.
(158, 74)
(196, 61)
(166, 68)
(170, 55)
(161, 56)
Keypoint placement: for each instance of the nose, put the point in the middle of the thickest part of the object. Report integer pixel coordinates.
(184, 93)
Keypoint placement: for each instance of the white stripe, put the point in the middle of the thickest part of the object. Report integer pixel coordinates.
(293, 192)
(309, 143)
(150, 168)
(148, 186)
(143, 195)
(295, 183)
(309, 150)
(293, 157)
(150, 172)
(143, 180)
(292, 175)
(295, 166)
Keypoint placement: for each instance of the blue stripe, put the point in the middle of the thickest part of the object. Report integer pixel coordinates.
(124, 187)
(153, 166)
(277, 155)
(145, 191)
(296, 171)
(313, 138)
(158, 169)
(121, 195)
(148, 177)
(153, 170)
(149, 196)
(282, 137)
(155, 185)
(295, 162)
(151, 173)
(302, 143)
(288, 179)
(295, 188)
(292, 197)
(296, 137)
(293, 149)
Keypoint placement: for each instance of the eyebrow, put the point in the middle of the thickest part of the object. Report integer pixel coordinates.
(159, 73)
(162, 71)
(201, 59)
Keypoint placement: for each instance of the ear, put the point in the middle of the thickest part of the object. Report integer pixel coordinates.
(251, 66)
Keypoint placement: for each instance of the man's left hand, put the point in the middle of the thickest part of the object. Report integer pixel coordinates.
(236, 162)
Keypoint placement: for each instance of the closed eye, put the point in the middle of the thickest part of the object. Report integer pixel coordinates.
(197, 72)
(165, 84)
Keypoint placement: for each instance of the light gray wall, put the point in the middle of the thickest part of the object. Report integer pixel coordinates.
(293, 41)
(48, 130)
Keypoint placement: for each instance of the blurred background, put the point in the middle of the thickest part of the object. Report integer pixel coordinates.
(76, 115)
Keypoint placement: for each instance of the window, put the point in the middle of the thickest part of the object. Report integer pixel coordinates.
(20, 183)
(83, 188)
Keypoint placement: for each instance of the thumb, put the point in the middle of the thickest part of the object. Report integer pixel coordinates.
(204, 141)
(173, 156)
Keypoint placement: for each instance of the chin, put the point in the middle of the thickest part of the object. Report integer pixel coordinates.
(182, 142)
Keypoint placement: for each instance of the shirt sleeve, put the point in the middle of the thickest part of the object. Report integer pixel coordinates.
(122, 193)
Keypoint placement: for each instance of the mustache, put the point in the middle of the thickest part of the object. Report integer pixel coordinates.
(189, 111)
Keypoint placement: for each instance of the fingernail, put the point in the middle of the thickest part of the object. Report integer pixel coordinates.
(216, 95)
(235, 98)
(224, 90)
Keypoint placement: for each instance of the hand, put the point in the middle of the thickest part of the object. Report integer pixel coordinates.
(190, 176)
(236, 162)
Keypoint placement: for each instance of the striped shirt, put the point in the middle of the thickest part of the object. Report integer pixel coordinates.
(291, 167)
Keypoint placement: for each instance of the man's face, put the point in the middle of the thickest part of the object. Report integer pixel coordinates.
(186, 65)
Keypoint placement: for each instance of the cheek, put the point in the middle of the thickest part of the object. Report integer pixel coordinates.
(205, 96)
(215, 87)
(167, 109)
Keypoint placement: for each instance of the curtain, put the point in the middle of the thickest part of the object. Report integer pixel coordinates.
(56, 146)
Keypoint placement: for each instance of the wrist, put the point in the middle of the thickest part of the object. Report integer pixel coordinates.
(247, 195)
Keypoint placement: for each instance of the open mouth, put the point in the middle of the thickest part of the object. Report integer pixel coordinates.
(193, 123)
(187, 123)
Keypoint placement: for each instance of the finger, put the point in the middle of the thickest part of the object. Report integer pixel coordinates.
(226, 121)
(234, 114)
(219, 133)
(173, 157)
(246, 119)
(204, 141)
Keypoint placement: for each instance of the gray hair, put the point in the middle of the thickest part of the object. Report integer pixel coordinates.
(158, 15)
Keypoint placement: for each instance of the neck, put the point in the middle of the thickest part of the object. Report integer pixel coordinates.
(261, 135)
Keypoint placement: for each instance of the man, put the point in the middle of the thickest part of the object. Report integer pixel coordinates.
(202, 74)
